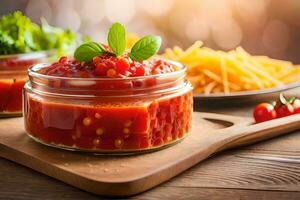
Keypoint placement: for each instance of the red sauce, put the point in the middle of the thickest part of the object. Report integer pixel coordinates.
(107, 66)
(11, 95)
(13, 75)
(110, 127)
(110, 123)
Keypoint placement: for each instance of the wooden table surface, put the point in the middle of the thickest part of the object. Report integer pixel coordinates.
(268, 170)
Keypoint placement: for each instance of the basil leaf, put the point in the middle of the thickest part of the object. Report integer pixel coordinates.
(145, 48)
(87, 51)
(117, 38)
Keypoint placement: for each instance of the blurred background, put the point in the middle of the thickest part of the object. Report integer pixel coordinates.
(270, 27)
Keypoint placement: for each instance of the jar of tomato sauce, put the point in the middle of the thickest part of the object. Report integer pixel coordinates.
(13, 75)
(67, 106)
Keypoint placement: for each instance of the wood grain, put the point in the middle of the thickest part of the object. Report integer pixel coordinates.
(245, 170)
(22, 183)
(39, 186)
(183, 193)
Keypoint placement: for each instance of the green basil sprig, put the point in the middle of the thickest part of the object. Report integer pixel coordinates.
(141, 50)
(145, 48)
(117, 39)
(87, 51)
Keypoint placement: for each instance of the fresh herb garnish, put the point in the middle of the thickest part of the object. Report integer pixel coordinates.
(87, 51)
(145, 48)
(141, 50)
(19, 35)
(117, 38)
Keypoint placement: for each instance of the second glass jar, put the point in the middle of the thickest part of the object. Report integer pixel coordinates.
(13, 75)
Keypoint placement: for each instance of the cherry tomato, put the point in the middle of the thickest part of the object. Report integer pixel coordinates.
(122, 65)
(63, 59)
(111, 73)
(101, 69)
(296, 106)
(96, 60)
(264, 112)
(140, 71)
(284, 110)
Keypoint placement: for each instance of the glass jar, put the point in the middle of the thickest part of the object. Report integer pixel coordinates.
(108, 115)
(13, 75)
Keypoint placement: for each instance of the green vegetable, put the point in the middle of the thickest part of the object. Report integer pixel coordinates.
(145, 48)
(117, 38)
(56, 38)
(87, 51)
(19, 35)
(7, 44)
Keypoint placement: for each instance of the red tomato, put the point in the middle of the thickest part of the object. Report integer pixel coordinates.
(122, 65)
(63, 59)
(96, 60)
(140, 71)
(296, 106)
(264, 112)
(101, 69)
(284, 110)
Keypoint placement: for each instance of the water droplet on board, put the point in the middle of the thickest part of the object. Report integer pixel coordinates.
(106, 170)
(89, 165)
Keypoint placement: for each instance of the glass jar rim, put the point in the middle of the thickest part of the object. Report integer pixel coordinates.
(32, 54)
(32, 72)
(170, 81)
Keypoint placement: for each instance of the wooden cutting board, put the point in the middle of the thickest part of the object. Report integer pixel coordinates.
(129, 175)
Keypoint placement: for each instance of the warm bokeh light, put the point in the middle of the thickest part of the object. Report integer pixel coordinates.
(38, 9)
(90, 14)
(156, 7)
(270, 27)
(276, 36)
(197, 29)
(227, 34)
(119, 10)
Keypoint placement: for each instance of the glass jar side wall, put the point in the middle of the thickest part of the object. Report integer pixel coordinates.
(107, 124)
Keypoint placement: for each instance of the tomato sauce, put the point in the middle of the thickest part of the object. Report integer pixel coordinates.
(12, 79)
(11, 95)
(13, 75)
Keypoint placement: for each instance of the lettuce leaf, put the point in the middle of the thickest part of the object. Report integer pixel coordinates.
(19, 35)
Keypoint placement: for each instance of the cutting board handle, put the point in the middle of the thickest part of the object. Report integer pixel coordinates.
(245, 131)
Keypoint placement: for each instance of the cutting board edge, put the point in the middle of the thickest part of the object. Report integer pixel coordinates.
(120, 189)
